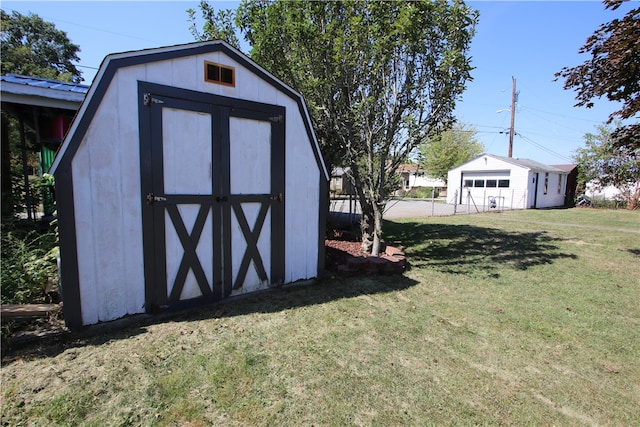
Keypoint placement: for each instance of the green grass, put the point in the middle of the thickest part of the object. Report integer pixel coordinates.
(502, 319)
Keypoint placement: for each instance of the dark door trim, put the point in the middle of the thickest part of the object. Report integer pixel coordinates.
(221, 202)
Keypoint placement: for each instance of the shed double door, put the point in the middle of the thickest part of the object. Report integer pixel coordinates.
(213, 190)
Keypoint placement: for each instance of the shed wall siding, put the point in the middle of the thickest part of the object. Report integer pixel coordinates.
(521, 181)
(301, 216)
(108, 209)
(552, 198)
(106, 170)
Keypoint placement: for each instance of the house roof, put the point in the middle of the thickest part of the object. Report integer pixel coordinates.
(523, 163)
(339, 171)
(527, 163)
(566, 168)
(113, 62)
(19, 89)
(407, 167)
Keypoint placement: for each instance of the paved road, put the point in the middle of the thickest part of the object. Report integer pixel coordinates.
(416, 208)
(404, 208)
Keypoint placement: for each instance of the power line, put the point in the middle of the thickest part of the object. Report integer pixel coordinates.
(99, 29)
(545, 149)
(547, 136)
(487, 126)
(560, 115)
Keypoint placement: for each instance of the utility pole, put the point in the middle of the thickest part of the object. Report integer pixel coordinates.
(514, 97)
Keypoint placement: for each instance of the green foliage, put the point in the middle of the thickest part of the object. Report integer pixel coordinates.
(218, 25)
(33, 47)
(28, 262)
(608, 204)
(613, 70)
(601, 162)
(378, 77)
(422, 193)
(449, 149)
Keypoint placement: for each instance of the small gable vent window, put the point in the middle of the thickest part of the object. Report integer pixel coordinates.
(220, 74)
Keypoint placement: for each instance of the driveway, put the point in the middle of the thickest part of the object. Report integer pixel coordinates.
(341, 213)
(342, 210)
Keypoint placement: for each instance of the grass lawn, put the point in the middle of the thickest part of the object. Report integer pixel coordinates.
(502, 319)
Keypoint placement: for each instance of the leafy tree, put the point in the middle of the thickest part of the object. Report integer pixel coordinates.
(601, 162)
(612, 71)
(378, 77)
(449, 149)
(34, 47)
(218, 24)
(29, 46)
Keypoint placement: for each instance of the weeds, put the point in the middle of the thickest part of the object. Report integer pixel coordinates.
(28, 262)
(28, 265)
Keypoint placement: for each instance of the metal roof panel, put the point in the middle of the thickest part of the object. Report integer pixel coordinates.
(44, 83)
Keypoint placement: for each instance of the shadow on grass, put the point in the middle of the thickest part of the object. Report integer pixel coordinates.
(471, 250)
(268, 301)
(455, 249)
(635, 252)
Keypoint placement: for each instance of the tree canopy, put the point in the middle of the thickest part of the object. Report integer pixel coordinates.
(449, 149)
(34, 47)
(613, 70)
(602, 163)
(378, 77)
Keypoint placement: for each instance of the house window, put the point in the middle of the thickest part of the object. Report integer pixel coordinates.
(468, 183)
(220, 74)
(559, 184)
(492, 183)
(478, 183)
(546, 182)
(503, 183)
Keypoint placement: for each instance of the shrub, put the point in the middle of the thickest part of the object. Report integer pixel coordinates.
(28, 262)
(422, 193)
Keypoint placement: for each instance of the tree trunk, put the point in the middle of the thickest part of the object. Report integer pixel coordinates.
(371, 228)
(367, 227)
(377, 231)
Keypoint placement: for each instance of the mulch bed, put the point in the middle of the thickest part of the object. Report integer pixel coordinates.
(344, 256)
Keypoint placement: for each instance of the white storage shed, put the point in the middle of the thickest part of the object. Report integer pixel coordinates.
(510, 183)
(189, 175)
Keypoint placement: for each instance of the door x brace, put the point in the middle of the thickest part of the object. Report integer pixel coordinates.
(251, 236)
(190, 257)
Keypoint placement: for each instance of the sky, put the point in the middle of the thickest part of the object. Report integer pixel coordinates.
(528, 41)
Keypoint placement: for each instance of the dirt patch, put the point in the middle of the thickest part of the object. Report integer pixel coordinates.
(344, 256)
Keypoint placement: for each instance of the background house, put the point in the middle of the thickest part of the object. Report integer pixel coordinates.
(512, 183)
(46, 107)
(595, 191)
(340, 183)
(572, 183)
(413, 177)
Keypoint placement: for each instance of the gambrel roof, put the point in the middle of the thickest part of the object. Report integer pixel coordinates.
(115, 61)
